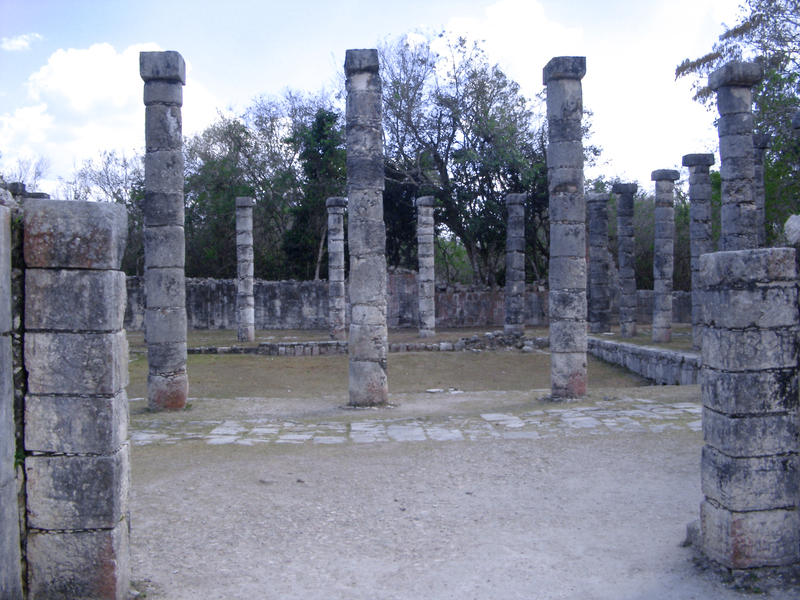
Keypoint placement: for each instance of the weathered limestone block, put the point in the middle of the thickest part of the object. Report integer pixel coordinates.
(76, 424)
(74, 300)
(515, 265)
(562, 76)
(245, 304)
(625, 258)
(366, 231)
(79, 564)
(733, 83)
(599, 295)
(87, 363)
(337, 302)
(744, 540)
(164, 74)
(699, 229)
(663, 253)
(77, 492)
(73, 235)
(749, 388)
(426, 277)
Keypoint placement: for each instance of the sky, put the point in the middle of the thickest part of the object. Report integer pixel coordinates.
(70, 85)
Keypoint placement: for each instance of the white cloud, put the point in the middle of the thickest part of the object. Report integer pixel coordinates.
(19, 43)
(84, 101)
(643, 119)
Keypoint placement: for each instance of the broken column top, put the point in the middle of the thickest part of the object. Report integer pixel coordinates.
(245, 202)
(425, 201)
(625, 188)
(597, 197)
(336, 201)
(162, 66)
(662, 174)
(515, 199)
(564, 67)
(736, 73)
(697, 160)
(356, 61)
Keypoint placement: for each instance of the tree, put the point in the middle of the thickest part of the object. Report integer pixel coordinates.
(767, 31)
(459, 129)
(117, 178)
(322, 158)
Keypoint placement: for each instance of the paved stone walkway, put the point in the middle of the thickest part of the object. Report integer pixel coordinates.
(601, 418)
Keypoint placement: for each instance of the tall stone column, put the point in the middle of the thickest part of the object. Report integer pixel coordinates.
(567, 276)
(733, 84)
(599, 293)
(515, 265)
(337, 302)
(699, 229)
(10, 565)
(760, 144)
(164, 74)
(663, 253)
(245, 304)
(750, 466)
(626, 250)
(426, 277)
(366, 232)
(77, 462)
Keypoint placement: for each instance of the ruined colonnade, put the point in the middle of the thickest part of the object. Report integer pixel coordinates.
(626, 258)
(426, 274)
(567, 276)
(337, 300)
(245, 304)
(515, 265)
(164, 74)
(599, 301)
(366, 232)
(699, 229)
(663, 253)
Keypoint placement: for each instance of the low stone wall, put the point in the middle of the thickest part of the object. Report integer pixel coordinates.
(211, 304)
(664, 367)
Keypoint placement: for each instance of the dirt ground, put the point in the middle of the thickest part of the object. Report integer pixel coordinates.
(476, 490)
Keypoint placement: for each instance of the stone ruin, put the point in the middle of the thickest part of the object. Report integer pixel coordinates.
(63, 345)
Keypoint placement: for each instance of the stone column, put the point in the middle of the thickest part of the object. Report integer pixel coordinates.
(164, 74)
(337, 302)
(663, 253)
(515, 265)
(733, 84)
(10, 565)
(77, 463)
(599, 293)
(699, 229)
(567, 276)
(426, 276)
(366, 232)
(750, 467)
(245, 304)
(626, 258)
(760, 144)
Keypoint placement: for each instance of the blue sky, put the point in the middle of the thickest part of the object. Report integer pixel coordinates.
(69, 82)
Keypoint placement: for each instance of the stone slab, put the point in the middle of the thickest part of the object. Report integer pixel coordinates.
(77, 492)
(76, 424)
(74, 300)
(76, 235)
(82, 564)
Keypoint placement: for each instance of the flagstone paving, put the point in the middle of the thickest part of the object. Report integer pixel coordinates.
(603, 417)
